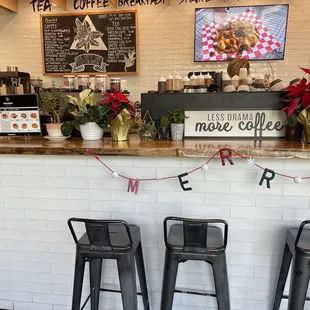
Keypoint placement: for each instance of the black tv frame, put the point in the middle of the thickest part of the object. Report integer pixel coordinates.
(242, 6)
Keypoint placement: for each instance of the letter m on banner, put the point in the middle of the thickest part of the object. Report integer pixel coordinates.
(133, 185)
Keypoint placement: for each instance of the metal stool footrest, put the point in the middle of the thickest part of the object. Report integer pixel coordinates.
(103, 290)
(286, 297)
(195, 293)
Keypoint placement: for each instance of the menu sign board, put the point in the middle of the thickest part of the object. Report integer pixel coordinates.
(235, 124)
(19, 115)
(93, 43)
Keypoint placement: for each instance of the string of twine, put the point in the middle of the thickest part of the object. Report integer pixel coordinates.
(191, 171)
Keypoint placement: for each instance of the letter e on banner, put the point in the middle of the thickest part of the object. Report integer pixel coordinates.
(182, 183)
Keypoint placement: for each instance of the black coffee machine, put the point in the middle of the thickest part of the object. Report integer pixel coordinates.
(13, 79)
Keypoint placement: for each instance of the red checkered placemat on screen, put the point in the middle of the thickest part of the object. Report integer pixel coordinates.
(266, 43)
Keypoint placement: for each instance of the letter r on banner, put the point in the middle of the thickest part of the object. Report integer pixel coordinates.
(226, 154)
(133, 185)
(268, 179)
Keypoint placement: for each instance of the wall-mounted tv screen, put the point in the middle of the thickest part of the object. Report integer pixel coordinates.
(251, 32)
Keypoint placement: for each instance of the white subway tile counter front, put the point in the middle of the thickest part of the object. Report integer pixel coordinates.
(37, 250)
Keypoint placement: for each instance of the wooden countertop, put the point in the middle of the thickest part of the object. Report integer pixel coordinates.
(135, 147)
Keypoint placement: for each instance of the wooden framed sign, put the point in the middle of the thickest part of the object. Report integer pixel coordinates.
(91, 43)
(235, 124)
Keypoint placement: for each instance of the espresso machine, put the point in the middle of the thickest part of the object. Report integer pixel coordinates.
(13, 79)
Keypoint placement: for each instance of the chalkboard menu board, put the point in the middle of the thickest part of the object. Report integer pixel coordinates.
(91, 43)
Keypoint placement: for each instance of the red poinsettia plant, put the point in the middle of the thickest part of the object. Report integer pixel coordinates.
(298, 98)
(115, 103)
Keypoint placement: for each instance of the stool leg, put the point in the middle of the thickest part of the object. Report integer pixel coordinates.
(285, 267)
(78, 281)
(221, 282)
(299, 282)
(142, 277)
(95, 268)
(127, 278)
(169, 279)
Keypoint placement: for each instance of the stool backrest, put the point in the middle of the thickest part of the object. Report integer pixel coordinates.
(195, 233)
(98, 233)
(300, 230)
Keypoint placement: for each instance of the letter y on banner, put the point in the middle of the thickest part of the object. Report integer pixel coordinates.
(133, 185)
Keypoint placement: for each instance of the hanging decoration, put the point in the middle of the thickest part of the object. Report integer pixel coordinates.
(184, 182)
(226, 154)
(223, 153)
(267, 178)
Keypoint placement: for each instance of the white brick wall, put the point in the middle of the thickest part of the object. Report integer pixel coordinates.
(37, 251)
(166, 42)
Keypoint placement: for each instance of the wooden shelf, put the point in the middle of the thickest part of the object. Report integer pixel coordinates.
(9, 5)
(135, 147)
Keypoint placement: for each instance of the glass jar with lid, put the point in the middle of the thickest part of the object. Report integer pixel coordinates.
(83, 82)
(69, 81)
(102, 83)
(115, 84)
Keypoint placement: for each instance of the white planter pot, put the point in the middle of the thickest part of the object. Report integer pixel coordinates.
(91, 131)
(177, 131)
(53, 130)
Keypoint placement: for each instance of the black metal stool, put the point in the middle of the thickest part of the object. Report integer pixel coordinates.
(297, 247)
(109, 239)
(195, 240)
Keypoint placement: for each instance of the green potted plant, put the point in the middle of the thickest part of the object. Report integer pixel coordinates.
(147, 130)
(89, 118)
(177, 118)
(163, 130)
(53, 103)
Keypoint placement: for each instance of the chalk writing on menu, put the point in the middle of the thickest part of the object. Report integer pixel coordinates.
(92, 43)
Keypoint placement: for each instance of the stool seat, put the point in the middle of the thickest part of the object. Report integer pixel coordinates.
(176, 237)
(304, 240)
(118, 236)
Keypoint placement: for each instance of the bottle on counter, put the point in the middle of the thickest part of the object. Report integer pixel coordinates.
(200, 79)
(169, 82)
(218, 77)
(162, 85)
(235, 81)
(3, 90)
(177, 83)
(243, 76)
(249, 81)
(208, 80)
(193, 80)
(226, 81)
(185, 81)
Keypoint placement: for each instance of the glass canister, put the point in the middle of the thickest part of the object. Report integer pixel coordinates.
(102, 83)
(69, 81)
(83, 81)
(115, 84)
